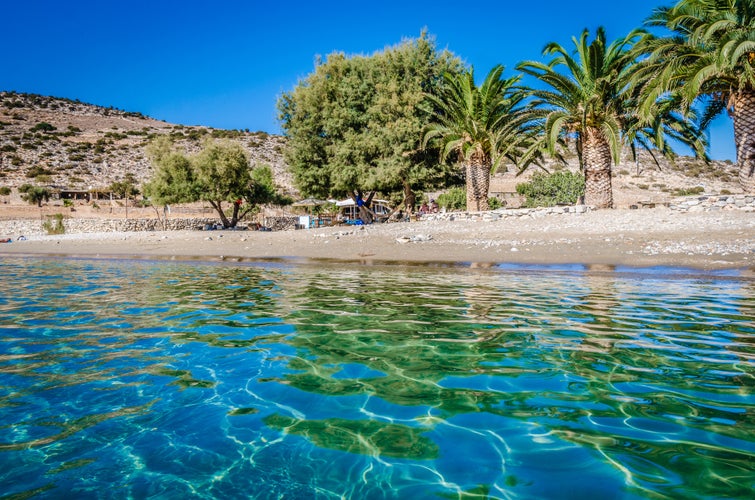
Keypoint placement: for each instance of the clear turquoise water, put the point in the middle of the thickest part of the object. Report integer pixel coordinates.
(167, 380)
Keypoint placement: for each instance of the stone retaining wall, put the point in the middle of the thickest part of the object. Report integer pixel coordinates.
(503, 213)
(16, 228)
(687, 204)
(713, 203)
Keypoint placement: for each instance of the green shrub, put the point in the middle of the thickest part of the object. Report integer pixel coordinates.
(34, 194)
(690, 191)
(36, 171)
(54, 224)
(456, 199)
(67, 203)
(547, 190)
(453, 199)
(5, 191)
(43, 127)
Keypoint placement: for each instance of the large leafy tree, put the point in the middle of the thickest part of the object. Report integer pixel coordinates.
(480, 125)
(354, 124)
(709, 58)
(219, 174)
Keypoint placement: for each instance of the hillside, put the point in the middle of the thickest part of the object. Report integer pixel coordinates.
(72, 145)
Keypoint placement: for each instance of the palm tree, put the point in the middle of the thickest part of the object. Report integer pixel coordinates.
(586, 104)
(665, 120)
(482, 125)
(710, 55)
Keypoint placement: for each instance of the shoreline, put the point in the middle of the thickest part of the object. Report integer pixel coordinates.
(628, 238)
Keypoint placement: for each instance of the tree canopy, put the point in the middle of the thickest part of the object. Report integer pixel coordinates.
(34, 194)
(220, 173)
(708, 58)
(354, 125)
(125, 188)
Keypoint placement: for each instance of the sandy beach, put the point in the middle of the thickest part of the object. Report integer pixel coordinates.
(642, 238)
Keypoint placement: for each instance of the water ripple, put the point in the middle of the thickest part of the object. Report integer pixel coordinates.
(233, 381)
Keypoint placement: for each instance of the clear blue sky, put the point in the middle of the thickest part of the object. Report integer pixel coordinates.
(224, 64)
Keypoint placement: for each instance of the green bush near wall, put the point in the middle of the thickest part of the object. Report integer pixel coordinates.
(547, 190)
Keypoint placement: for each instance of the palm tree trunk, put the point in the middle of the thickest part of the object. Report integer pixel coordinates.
(743, 113)
(597, 158)
(478, 183)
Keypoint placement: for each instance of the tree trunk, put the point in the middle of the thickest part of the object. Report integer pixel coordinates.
(478, 183)
(743, 113)
(409, 198)
(218, 206)
(597, 158)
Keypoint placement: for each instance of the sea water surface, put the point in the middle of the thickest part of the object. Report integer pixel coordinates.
(133, 379)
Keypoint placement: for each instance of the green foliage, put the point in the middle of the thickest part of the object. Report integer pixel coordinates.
(67, 203)
(44, 179)
(355, 123)
(453, 199)
(5, 191)
(479, 126)
(585, 97)
(43, 127)
(546, 190)
(173, 180)
(125, 188)
(709, 51)
(54, 224)
(689, 191)
(34, 194)
(220, 173)
(38, 171)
